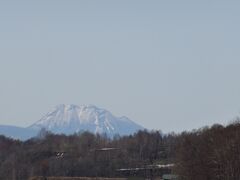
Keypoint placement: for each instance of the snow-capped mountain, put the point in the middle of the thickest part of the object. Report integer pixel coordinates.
(69, 119)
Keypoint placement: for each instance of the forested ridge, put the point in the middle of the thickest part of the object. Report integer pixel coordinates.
(205, 154)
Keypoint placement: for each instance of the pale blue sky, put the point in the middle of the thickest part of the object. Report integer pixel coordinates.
(169, 65)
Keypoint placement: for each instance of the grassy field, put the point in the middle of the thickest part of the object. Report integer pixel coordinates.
(89, 178)
(75, 178)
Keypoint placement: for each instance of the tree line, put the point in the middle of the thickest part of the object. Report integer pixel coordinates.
(209, 153)
(205, 154)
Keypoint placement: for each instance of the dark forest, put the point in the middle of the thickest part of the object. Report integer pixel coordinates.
(209, 153)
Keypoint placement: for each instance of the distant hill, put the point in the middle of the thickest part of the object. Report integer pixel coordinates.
(17, 132)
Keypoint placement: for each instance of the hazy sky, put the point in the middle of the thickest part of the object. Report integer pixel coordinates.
(169, 65)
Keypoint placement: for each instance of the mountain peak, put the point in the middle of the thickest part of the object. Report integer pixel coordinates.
(63, 106)
(69, 107)
(70, 118)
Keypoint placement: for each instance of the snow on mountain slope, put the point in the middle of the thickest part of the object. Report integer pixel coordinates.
(68, 119)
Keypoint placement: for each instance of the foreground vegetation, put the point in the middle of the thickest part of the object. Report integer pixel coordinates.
(204, 154)
(74, 178)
